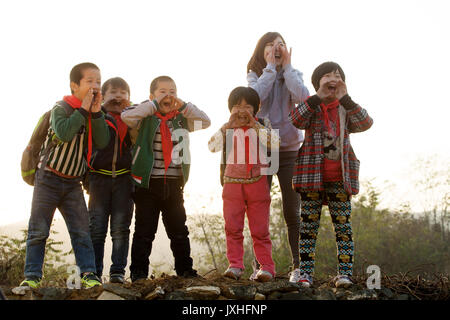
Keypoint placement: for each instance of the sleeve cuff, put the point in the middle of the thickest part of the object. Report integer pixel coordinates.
(96, 115)
(347, 102)
(313, 101)
(83, 112)
(271, 66)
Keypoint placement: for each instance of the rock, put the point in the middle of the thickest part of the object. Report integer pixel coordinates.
(282, 286)
(109, 296)
(240, 292)
(54, 293)
(363, 295)
(274, 295)
(260, 296)
(203, 292)
(296, 296)
(386, 292)
(325, 294)
(402, 297)
(178, 295)
(21, 291)
(155, 294)
(121, 291)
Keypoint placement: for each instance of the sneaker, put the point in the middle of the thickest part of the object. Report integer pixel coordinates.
(305, 280)
(90, 280)
(295, 276)
(116, 278)
(263, 276)
(138, 276)
(233, 273)
(32, 282)
(189, 274)
(343, 281)
(253, 275)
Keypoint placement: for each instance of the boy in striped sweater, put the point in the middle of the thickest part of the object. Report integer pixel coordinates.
(327, 169)
(160, 169)
(58, 180)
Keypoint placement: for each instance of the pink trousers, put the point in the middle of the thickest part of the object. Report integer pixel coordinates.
(253, 198)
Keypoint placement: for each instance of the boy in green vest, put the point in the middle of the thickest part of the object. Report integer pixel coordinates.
(160, 169)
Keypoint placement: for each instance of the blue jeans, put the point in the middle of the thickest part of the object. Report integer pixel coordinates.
(51, 192)
(110, 198)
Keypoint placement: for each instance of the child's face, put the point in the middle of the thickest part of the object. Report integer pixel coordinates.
(278, 44)
(330, 80)
(241, 110)
(115, 93)
(164, 88)
(115, 99)
(91, 79)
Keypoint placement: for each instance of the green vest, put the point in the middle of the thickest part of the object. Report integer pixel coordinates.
(142, 153)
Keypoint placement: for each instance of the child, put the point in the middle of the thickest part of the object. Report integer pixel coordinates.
(327, 168)
(110, 184)
(57, 182)
(245, 188)
(159, 173)
(280, 87)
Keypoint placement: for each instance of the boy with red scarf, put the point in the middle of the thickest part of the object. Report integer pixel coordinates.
(110, 184)
(327, 169)
(160, 170)
(57, 185)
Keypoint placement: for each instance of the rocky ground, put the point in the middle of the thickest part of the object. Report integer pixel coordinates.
(213, 286)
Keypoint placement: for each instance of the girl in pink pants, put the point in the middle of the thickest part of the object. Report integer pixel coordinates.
(245, 187)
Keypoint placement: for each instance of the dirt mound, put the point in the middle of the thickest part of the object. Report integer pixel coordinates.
(214, 286)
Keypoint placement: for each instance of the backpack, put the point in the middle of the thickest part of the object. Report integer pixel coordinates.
(31, 154)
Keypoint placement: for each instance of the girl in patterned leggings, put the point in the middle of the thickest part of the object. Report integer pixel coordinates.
(327, 169)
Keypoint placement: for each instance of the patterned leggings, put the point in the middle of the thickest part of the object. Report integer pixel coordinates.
(340, 209)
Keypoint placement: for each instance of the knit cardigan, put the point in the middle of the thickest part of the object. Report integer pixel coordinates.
(308, 172)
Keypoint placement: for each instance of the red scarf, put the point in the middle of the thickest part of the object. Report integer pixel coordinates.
(121, 130)
(166, 137)
(325, 108)
(75, 103)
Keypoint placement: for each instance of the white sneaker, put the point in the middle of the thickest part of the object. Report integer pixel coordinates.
(342, 281)
(295, 276)
(233, 273)
(263, 276)
(306, 280)
(253, 275)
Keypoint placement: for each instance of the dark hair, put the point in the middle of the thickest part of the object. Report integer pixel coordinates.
(116, 82)
(154, 84)
(76, 74)
(257, 62)
(323, 69)
(247, 93)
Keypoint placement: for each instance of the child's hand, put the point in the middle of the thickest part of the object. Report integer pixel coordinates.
(177, 103)
(91, 101)
(251, 120)
(324, 93)
(341, 89)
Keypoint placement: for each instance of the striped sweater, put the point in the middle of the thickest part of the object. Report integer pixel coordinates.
(158, 170)
(308, 172)
(68, 157)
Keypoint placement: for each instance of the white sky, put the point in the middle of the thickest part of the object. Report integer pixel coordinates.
(395, 55)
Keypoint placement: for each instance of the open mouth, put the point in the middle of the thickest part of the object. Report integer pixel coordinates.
(332, 88)
(277, 56)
